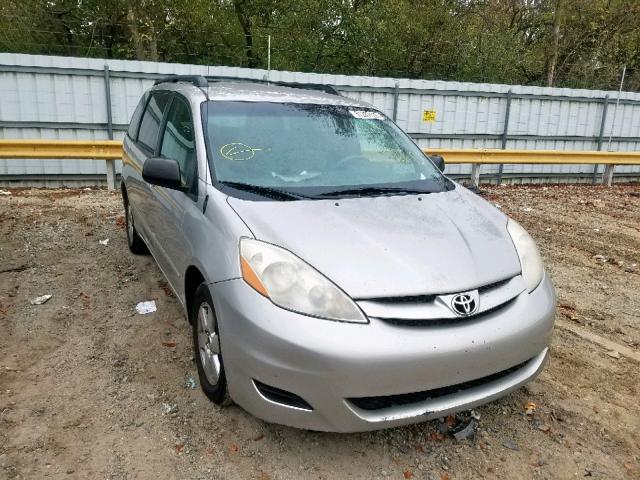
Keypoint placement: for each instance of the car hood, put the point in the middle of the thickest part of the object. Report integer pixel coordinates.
(391, 246)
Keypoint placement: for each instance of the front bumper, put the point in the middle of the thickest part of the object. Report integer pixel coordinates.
(326, 362)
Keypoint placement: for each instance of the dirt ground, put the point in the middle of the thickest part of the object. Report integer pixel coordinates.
(90, 389)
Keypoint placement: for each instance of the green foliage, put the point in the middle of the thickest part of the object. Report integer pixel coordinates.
(572, 43)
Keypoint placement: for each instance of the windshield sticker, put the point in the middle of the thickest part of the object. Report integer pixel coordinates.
(366, 114)
(238, 152)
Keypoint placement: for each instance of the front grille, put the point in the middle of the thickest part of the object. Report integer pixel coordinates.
(430, 298)
(282, 397)
(401, 300)
(380, 403)
(493, 285)
(437, 322)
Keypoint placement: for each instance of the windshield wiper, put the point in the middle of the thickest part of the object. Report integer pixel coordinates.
(373, 191)
(265, 191)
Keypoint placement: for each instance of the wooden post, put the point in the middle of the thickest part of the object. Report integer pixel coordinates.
(111, 174)
(607, 176)
(475, 176)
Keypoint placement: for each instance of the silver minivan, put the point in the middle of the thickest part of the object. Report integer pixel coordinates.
(334, 278)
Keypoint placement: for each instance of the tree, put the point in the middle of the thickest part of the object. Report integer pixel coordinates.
(571, 43)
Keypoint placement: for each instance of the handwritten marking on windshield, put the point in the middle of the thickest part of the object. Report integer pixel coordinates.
(239, 152)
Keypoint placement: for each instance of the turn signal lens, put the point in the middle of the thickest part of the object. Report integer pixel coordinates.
(251, 278)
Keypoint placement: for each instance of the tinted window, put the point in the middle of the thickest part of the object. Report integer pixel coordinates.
(150, 126)
(177, 141)
(135, 119)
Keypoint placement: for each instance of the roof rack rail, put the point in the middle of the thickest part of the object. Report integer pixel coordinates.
(305, 86)
(309, 86)
(196, 80)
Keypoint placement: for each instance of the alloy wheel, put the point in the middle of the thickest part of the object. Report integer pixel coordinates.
(209, 344)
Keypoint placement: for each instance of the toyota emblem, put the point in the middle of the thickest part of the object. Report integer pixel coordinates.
(464, 304)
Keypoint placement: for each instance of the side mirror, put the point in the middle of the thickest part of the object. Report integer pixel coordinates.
(438, 161)
(164, 172)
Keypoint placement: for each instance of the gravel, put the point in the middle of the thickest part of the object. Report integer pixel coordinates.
(90, 389)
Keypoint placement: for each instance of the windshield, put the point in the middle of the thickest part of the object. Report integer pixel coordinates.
(314, 150)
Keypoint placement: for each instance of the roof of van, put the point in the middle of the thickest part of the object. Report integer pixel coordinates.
(264, 92)
(247, 91)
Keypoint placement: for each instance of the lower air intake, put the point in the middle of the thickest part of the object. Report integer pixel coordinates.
(380, 403)
(282, 397)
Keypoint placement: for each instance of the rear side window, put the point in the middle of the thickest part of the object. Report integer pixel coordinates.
(151, 120)
(134, 124)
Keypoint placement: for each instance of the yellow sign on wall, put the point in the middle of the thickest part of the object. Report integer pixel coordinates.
(428, 115)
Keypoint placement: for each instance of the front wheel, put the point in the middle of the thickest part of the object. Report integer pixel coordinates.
(206, 344)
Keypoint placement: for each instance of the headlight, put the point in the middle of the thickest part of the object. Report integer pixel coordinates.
(530, 260)
(292, 284)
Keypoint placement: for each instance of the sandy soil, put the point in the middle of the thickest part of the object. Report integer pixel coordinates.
(90, 389)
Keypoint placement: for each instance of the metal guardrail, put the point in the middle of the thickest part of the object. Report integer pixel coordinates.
(111, 150)
(477, 157)
(75, 149)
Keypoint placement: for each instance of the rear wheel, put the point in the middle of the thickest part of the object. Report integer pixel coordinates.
(206, 344)
(136, 244)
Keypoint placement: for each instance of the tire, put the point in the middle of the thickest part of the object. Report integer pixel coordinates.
(207, 350)
(135, 242)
